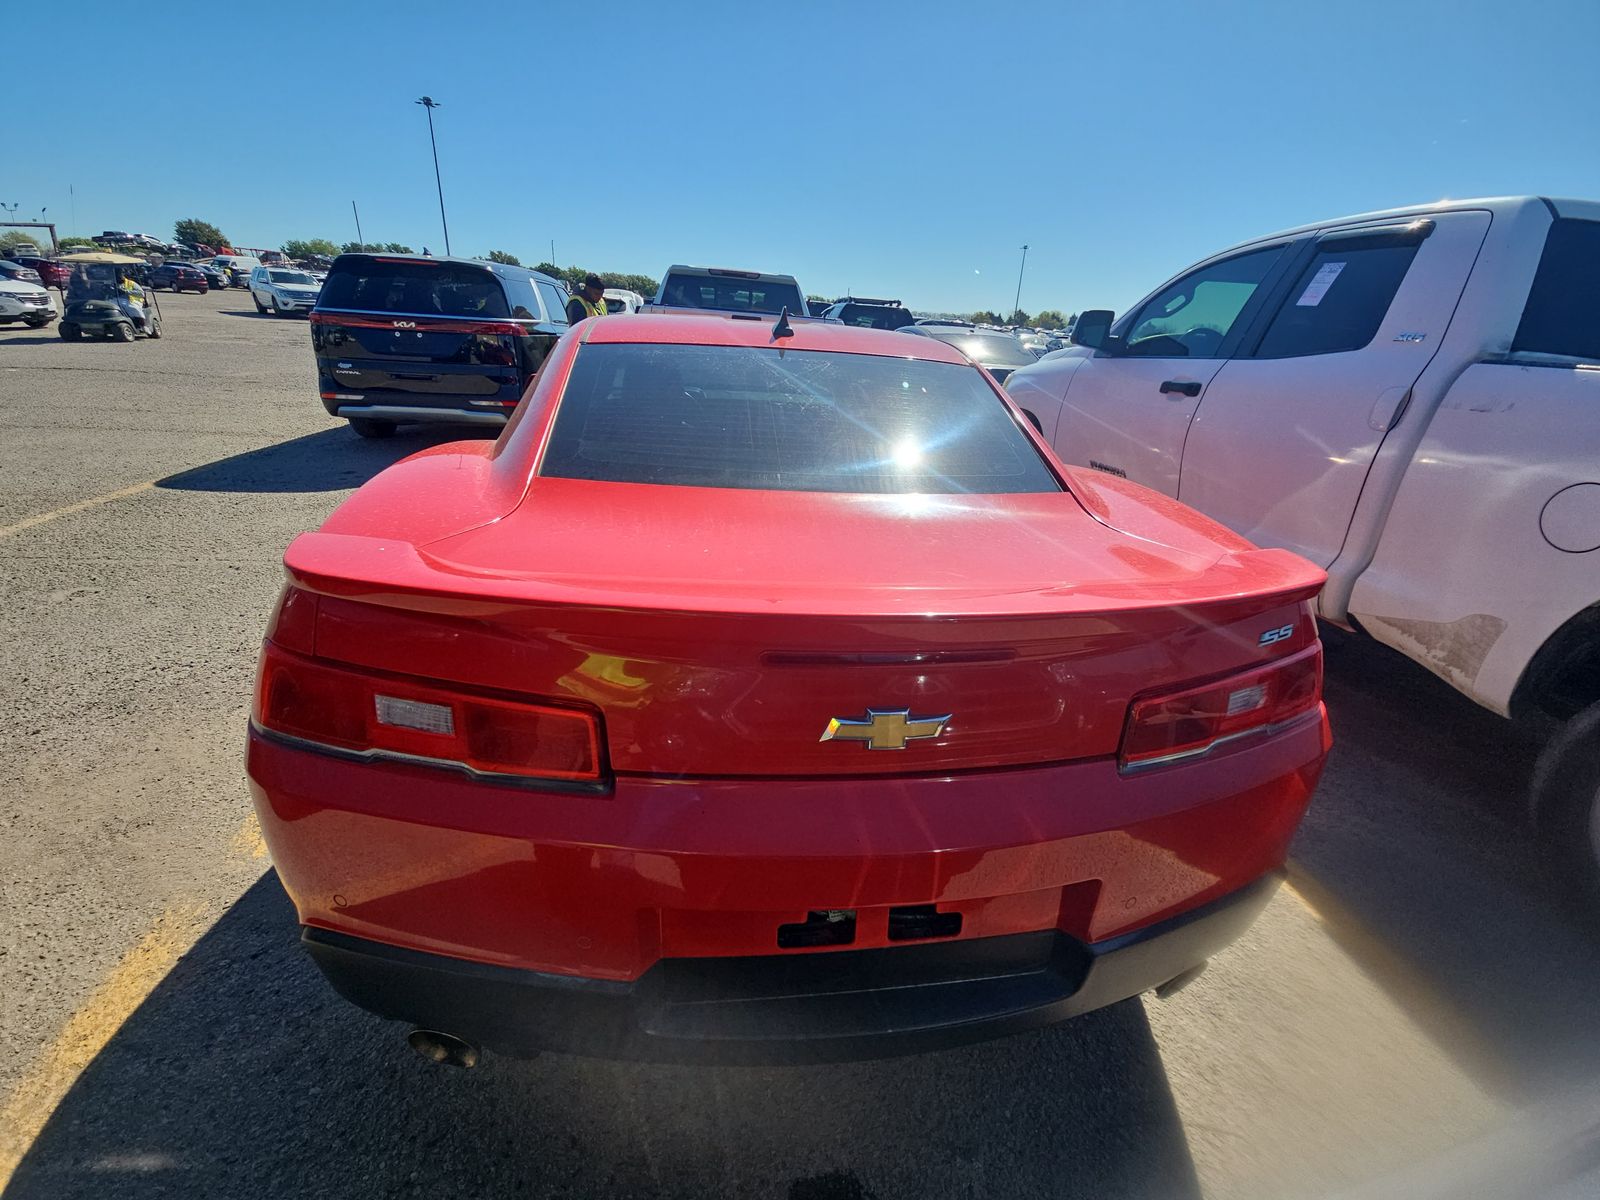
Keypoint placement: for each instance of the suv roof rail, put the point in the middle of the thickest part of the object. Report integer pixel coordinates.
(870, 300)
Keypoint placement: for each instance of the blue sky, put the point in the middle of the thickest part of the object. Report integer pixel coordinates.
(904, 149)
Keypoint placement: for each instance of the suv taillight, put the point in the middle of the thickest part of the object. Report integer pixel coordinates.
(1174, 726)
(344, 708)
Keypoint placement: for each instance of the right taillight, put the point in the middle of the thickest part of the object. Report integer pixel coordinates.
(1173, 726)
(346, 709)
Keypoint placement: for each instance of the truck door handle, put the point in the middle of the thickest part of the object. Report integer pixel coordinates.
(1189, 388)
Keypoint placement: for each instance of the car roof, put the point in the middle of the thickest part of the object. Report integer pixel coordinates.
(729, 273)
(672, 329)
(481, 264)
(1494, 204)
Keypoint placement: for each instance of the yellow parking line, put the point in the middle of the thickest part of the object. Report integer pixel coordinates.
(248, 842)
(34, 1100)
(92, 502)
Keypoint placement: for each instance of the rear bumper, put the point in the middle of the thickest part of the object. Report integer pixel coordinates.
(400, 413)
(669, 905)
(835, 1006)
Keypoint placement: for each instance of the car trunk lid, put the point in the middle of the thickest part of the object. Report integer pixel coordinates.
(732, 633)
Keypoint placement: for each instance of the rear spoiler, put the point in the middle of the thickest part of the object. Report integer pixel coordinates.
(398, 574)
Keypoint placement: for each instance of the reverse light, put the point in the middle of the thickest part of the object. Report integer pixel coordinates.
(1175, 726)
(385, 716)
(416, 714)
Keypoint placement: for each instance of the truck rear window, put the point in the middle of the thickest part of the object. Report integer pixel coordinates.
(732, 293)
(876, 316)
(414, 288)
(797, 420)
(1562, 315)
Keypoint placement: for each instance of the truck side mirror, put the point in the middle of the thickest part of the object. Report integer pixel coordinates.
(1093, 328)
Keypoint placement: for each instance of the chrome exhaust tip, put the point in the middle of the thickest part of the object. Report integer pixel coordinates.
(443, 1048)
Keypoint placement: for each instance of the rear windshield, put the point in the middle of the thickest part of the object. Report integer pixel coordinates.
(416, 288)
(990, 349)
(731, 292)
(875, 316)
(797, 420)
(291, 277)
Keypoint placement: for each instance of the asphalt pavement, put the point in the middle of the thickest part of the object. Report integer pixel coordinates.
(1413, 1016)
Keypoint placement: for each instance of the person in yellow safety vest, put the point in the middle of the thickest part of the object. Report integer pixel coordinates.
(590, 302)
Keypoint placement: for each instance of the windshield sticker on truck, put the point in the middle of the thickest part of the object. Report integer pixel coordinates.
(1319, 285)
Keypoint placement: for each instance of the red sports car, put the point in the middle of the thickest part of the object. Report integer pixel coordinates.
(773, 692)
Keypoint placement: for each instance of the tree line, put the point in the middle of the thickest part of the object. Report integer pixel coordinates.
(1050, 318)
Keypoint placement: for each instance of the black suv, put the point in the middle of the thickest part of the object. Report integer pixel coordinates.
(870, 314)
(404, 337)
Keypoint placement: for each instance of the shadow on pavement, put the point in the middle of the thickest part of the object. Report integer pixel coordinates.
(1417, 854)
(242, 1074)
(316, 462)
(33, 338)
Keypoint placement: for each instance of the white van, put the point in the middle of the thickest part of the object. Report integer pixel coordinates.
(237, 267)
(620, 300)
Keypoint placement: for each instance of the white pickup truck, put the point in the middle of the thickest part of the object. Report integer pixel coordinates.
(1410, 399)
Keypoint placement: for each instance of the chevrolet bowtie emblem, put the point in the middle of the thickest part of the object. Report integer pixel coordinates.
(884, 729)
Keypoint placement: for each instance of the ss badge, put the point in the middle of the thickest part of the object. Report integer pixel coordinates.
(1276, 635)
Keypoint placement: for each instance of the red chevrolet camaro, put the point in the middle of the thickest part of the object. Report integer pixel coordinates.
(769, 692)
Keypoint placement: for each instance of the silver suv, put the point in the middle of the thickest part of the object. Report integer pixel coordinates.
(283, 290)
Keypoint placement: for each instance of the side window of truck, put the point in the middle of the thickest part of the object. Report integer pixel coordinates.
(1340, 297)
(1192, 317)
(1562, 315)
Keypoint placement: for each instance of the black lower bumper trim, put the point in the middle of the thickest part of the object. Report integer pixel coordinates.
(817, 1007)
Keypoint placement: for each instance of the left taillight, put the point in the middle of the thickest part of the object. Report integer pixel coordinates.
(348, 709)
(1174, 726)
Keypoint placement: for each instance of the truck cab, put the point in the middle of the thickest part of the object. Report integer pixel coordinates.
(1410, 399)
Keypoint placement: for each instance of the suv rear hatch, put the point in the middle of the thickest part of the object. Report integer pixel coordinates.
(423, 333)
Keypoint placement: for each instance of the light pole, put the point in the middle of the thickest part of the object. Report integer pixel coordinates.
(1017, 304)
(11, 209)
(429, 103)
(360, 241)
